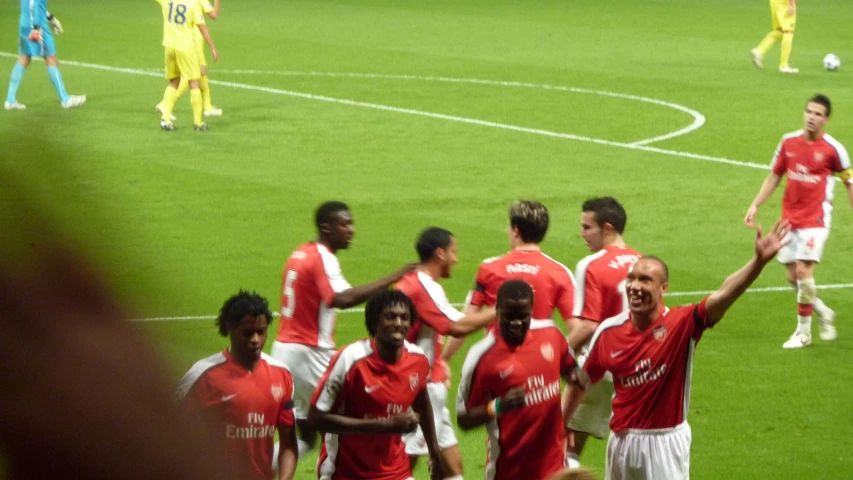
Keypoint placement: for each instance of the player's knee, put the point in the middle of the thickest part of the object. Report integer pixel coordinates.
(806, 291)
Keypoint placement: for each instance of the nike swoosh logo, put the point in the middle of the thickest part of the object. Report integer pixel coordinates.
(225, 398)
(371, 389)
(505, 373)
(616, 354)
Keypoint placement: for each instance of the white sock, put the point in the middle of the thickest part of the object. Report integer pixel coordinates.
(574, 461)
(820, 307)
(303, 447)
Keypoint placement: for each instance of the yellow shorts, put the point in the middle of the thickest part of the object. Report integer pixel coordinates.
(779, 14)
(199, 43)
(182, 63)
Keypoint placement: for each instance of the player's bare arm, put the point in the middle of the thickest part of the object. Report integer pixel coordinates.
(357, 295)
(472, 322)
(455, 343)
(205, 34)
(473, 418)
(342, 425)
(214, 14)
(423, 408)
(572, 395)
(767, 189)
(287, 455)
(737, 283)
(581, 331)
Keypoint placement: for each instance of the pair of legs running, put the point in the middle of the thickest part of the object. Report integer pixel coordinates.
(801, 276)
(67, 101)
(784, 18)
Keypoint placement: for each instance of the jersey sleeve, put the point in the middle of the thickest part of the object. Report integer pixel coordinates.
(589, 301)
(477, 295)
(330, 388)
(286, 418)
(329, 278)
(567, 361)
(699, 319)
(593, 366)
(437, 311)
(779, 165)
(206, 7)
(471, 391)
(566, 294)
(842, 164)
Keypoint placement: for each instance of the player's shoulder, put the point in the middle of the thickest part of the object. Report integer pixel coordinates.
(492, 262)
(790, 137)
(356, 351)
(588, 262)
(835, 144)
(416, 352)
(478, 353)
(556, 266)
(199, 370)
(609, 327)
(545, 328)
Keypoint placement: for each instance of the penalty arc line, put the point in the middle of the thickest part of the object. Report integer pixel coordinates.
(440, 116)
(671, 294)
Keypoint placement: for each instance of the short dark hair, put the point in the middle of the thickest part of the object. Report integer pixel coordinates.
(822, 99)
(530, 218)
(660, 262)
(431, 239)
(607, 210)
(382, 300)
(327, 211)
(238, 306)
(514, 291)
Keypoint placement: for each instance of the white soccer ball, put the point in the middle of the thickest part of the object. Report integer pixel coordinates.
(831, 62)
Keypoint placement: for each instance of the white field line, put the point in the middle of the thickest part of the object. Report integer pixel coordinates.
(440, 116)
(671, 294)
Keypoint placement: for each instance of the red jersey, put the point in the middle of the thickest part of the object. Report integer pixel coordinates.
(651, 369)
(553, 283)
(359, 384)
(251, 406)
(528, 442)
(311, 278)
(600, 291)
(809, 167)
(435, 317)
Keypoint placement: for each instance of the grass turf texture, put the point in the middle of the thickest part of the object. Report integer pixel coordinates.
(183, 220)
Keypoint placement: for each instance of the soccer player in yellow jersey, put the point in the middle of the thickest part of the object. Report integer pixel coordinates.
(181, 19)
(212, 11)
(784, 16)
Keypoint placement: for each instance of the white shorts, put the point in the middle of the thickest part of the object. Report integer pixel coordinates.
(415, 443)
(307, 365)
(649, 454)
(805, 244)
(593, 414)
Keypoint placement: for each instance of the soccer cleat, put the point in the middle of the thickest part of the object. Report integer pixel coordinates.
(798, 340)
(159, 109)
(168, 126)
(757, 58)
(74, 101)
(827, 325)
(201, 128)
(213, 112)
(789, 69)
(14, 106)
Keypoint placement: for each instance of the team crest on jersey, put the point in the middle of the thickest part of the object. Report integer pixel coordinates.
(414, 381)
(547, 352)
(818, 157)
(277, 392)
(659, 332)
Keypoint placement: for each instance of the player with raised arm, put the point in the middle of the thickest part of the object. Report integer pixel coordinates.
(511, 383)
(36, 40)
(649, 351)
(808, 158)
(181, 20)
(246, 392)
(783, 14)
(600, 294)
(373, 393)
(313, 287)
(436, 249)
(552, 282)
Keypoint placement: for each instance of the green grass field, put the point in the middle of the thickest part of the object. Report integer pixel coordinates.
(442, 112)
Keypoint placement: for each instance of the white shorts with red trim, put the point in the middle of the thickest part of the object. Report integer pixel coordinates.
(307, 364)
(805, 244)
(649, 454)
(415, 443)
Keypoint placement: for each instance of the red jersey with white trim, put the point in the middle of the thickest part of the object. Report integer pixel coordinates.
(435, 317)
(312, 276)
(600, 289)
(809, 168)
(553, 283)
(528, 442)
(651, 369)
(360, 384)
(251, 405)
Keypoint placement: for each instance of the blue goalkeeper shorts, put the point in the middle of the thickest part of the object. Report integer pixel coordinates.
(44, 48)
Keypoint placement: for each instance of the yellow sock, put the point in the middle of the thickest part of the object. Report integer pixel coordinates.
(168, 103)
(769, 40)
(787, 44)
(182, 88)
(205, 93)
(198, 107)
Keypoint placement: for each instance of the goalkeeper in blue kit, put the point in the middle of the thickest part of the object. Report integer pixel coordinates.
(35, 39)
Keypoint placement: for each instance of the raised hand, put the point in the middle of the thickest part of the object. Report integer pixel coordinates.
(767, 247)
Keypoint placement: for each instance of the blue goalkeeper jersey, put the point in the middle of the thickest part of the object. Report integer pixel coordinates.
(34, 12)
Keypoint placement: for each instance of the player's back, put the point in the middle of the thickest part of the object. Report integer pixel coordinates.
(180, 19)
(600, 287)
(33, 12)
(553, 284)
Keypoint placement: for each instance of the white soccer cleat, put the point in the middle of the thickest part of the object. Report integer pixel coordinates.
(167, 126)
(757, 58)
(827, 325)
(159, 109)
(74, 101)
(789, 70)
(14, 106)
(798, 340)
(213, 112)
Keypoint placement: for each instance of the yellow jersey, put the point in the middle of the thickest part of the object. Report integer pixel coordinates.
(180, 21)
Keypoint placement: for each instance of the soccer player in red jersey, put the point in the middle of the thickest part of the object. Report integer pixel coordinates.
(313, 287)
(600, 294)
(436, 249)
(552, 282)
(511, 383)
(246, 392)
(649, 351)
(808, 158)
(374, 392)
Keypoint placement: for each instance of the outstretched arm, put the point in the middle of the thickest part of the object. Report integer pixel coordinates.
(767, 189)
(737, 283)
(356, 295)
